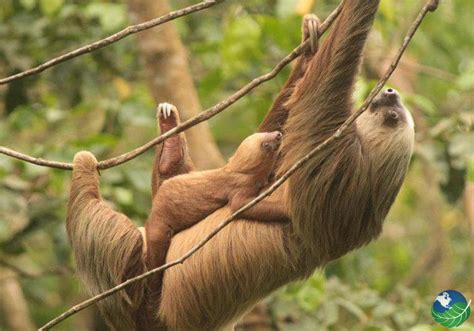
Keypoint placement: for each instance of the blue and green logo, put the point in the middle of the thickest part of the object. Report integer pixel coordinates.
(450, 308)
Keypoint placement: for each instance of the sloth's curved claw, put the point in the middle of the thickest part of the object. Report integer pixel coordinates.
(168, 117)
(310, 31)
(172, 152)
(165, 110)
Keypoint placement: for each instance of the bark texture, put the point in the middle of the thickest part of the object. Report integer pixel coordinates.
(169, 78)
(13, 305)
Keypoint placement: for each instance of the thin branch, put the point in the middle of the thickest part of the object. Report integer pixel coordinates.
(203, 116)
(428, 70)
(428, 7)
(38, 161)
(132, 29)
(58, 271)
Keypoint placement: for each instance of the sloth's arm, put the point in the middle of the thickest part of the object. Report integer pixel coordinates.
(267, 210)
(277, 115)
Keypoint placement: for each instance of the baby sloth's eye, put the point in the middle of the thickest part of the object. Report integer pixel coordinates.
(266, 145)
(394, 115)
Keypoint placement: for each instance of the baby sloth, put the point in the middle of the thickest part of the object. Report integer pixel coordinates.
(184, 200)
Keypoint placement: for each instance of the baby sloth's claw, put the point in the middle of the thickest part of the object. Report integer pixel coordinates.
(167, 115)
(165, 109)
(172, 152)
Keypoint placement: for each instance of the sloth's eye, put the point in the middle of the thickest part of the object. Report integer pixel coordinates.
(393, 114)
(266, 145)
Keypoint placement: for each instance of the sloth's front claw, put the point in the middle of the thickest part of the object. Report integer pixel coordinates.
(165, 110)
(310, 30)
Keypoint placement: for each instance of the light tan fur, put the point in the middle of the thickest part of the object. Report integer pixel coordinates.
(184, 200)
(107, 245)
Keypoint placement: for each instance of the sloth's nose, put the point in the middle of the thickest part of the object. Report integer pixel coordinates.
(278, 135)
(390, 93)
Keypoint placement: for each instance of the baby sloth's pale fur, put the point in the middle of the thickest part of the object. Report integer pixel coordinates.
(337, 201)
(184, 200)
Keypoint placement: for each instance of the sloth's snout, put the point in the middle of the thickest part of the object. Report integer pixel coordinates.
(277, 135)
(390, 92)
(390, 97)
(273, 140)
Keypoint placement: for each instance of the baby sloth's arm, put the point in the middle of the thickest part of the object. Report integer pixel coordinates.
(267, 210)
(171, 157)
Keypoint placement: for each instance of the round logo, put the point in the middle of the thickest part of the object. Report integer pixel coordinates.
(450, 308)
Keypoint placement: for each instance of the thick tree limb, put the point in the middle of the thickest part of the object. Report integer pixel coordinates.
(205, 115)
(428, 7)
(169, 78)
(13, 304)
(112, 39)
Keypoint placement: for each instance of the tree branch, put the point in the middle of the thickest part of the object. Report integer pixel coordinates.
(132, 29)
(57, 271)
(205, 115)
(267, 192)
(166, 61)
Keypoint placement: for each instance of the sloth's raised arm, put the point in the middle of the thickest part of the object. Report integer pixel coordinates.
(322, 98)
(278, 113)
(329, 198)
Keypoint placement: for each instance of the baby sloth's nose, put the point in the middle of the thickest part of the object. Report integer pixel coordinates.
(278, 135)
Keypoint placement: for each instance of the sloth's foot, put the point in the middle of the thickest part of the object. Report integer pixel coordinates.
(172, 153)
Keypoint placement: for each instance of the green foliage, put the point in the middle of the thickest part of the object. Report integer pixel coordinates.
(100, 102)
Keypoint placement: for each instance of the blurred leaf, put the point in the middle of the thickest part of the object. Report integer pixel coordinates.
(470, 170)
(123, 196)
(111, 16)
(15, 183)
(304, 7)
(49, 7)
(461, 149)
(28, 4)
(239, 45)
(425, 104)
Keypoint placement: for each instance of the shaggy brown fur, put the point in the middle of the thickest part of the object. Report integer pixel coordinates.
(276, 117)
(107, 246)
(184, 200)
(337, 202)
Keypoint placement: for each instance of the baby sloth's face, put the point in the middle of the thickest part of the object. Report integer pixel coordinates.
(270, 141)
(257, 154)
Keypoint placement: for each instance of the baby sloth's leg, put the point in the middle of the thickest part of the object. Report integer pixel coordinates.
(171, 157)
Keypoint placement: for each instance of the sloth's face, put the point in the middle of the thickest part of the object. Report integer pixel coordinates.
(270, 141)
(256, 154)
(387, 126)
(387, 111)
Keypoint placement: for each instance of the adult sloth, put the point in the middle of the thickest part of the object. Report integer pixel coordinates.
(336, 202)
